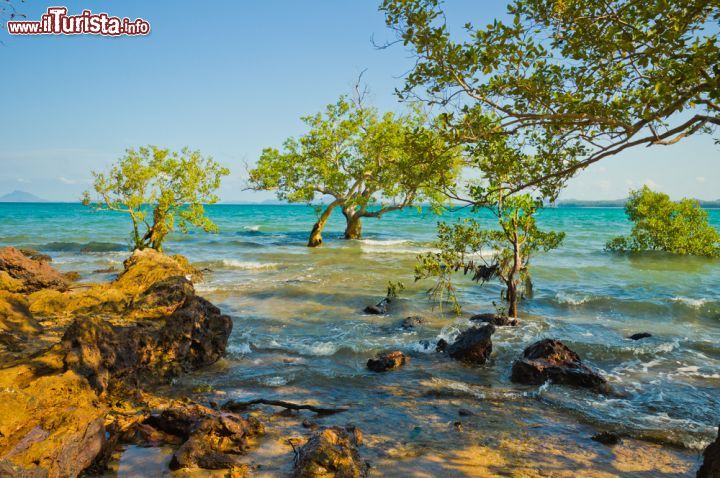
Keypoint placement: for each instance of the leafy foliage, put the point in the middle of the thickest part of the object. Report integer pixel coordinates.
(680, 227)
(573, 81)
(368, 163)
(160, 190)
(502, 254)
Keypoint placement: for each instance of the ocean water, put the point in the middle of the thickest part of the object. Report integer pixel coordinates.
(300, 332)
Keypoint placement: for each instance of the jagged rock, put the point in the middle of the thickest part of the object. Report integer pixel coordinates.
(473, 346)
(441, 346)
(211, 439)
(495, 319)
(387, 361)
(551, 360)
(639, 336)
(32, 274)
(412, 322)
(331, 452)
(193, 336)
(52, 426)
(711, 460)
(164, 296)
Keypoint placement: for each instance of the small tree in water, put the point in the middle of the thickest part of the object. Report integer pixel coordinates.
(160, 190)
(502, 254)
(679, 227)
(368, 164)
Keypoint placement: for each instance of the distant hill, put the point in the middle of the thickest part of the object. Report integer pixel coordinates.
(20, 196)
(619, 203)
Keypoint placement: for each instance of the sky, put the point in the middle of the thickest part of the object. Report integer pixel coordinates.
(230, 79)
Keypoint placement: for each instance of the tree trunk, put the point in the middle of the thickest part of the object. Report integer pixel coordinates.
(353, 228)
(512, 298)
(316, 233)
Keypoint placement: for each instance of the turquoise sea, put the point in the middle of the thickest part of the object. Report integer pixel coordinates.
(300, 332)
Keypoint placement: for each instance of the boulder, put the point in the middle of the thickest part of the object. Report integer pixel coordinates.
(711, 460)
(331, 452)
(473, 346)
(193, 336)
(387, 361)
(551, 360)
(495, 319)
(210, 439)
(606, 438)
(412, 322)
(52, 426)
(379, 309)
(32, 274)
(639, 336)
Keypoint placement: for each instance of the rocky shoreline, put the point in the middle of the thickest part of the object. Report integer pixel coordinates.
(81, 365)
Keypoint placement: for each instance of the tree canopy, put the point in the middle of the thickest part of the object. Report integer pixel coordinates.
(160, 190)
(366, 162)
(572, 81)
(660, 224)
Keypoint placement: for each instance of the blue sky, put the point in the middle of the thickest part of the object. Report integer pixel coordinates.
(231, 78)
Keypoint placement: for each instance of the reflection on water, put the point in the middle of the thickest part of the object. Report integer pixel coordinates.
(300, 334)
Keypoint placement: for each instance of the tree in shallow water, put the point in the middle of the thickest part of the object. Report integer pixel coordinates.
(503, 254)
(367, 163)
(160, 190)
(572, 81)
(679, 227)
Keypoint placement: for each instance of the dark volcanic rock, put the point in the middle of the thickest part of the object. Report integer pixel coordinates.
(32, 274)
(379, 309)
(473, 346)
(387, 361)
(35, 255)
(495, 319)
(193, 336)
(412, 322)
(711, 460)
(641, 335)
(606, 438)
(331, 452)
(551, 360)
(441, 346)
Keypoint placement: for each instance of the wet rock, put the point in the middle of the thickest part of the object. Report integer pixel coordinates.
(52, 426)
(210, 439)
(551, 360)
(379, 309)
(441, 346)
(711, 460)
(473, 346)
(464, 412)
(331, 452)
(606, 438)
(32, 274)
(34, 255)
(639, 336)
(495, 319)
(106, 270)
(387, 361)
(412, 322)
(193, 336)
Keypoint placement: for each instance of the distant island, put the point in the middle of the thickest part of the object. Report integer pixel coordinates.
(616, 203)
(21, 196)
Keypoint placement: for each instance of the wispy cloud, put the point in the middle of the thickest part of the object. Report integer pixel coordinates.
(700, 179)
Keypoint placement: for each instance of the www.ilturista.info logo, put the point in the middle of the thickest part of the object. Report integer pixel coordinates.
(57, 22)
